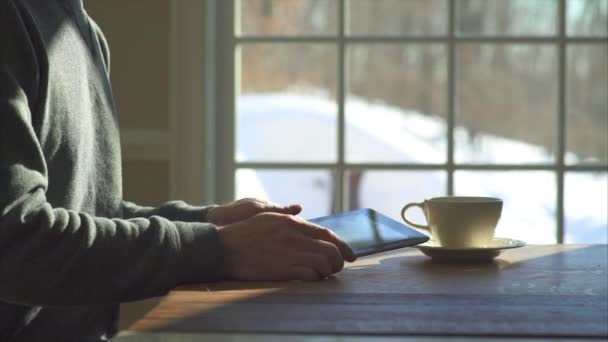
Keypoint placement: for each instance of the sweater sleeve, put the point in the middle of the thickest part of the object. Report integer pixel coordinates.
(52, 256)
(172, 210)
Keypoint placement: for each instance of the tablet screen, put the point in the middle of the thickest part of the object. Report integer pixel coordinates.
(367, 231)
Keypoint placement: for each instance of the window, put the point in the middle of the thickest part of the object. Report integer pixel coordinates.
(341, 104)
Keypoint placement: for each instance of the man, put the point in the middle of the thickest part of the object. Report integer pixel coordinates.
(70, 248)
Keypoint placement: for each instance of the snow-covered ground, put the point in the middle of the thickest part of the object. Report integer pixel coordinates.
(295, 128)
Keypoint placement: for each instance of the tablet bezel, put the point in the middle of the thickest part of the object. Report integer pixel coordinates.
(411, 236)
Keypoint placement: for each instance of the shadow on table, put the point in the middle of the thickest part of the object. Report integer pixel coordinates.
(536, 291)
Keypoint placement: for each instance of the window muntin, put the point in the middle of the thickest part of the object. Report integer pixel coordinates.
(547, 47)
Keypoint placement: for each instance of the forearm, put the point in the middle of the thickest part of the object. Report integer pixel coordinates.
(52, 256)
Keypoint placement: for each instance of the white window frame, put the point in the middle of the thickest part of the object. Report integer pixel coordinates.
(221, 72)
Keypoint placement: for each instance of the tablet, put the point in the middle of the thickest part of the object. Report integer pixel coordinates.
(368, 232)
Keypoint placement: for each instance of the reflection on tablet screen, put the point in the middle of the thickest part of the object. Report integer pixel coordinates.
(365, 229)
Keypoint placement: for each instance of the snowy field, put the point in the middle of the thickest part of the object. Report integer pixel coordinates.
(294, 128)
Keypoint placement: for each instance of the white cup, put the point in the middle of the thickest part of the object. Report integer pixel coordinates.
(459, 221)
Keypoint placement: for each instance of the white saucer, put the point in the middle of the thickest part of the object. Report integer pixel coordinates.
(468, 254)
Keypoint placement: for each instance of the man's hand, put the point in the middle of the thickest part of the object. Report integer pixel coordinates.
(271, 246)
(245, 208)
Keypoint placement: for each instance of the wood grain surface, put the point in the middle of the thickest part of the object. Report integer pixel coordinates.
(535, 291)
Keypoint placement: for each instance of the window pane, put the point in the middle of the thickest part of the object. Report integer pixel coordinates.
(287, 17)
(314, 189)
(388, 191)
(586, 207)
(506, 103)
(587, 104)
(396, 17)
(287, 109)
(507, 17)
(587, 17)
(396, 103)
(527, 215)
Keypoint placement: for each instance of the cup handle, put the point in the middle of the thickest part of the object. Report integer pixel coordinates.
(406, 207)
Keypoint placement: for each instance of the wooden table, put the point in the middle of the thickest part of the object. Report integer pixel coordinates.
(552, 292)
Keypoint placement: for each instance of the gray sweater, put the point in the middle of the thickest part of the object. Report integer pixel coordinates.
(70, 248)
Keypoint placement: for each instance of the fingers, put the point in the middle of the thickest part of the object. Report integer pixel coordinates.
(318, 262)
(298, 272)
(322, 233)
(322, 252)
(293, 209)
(260, 206)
